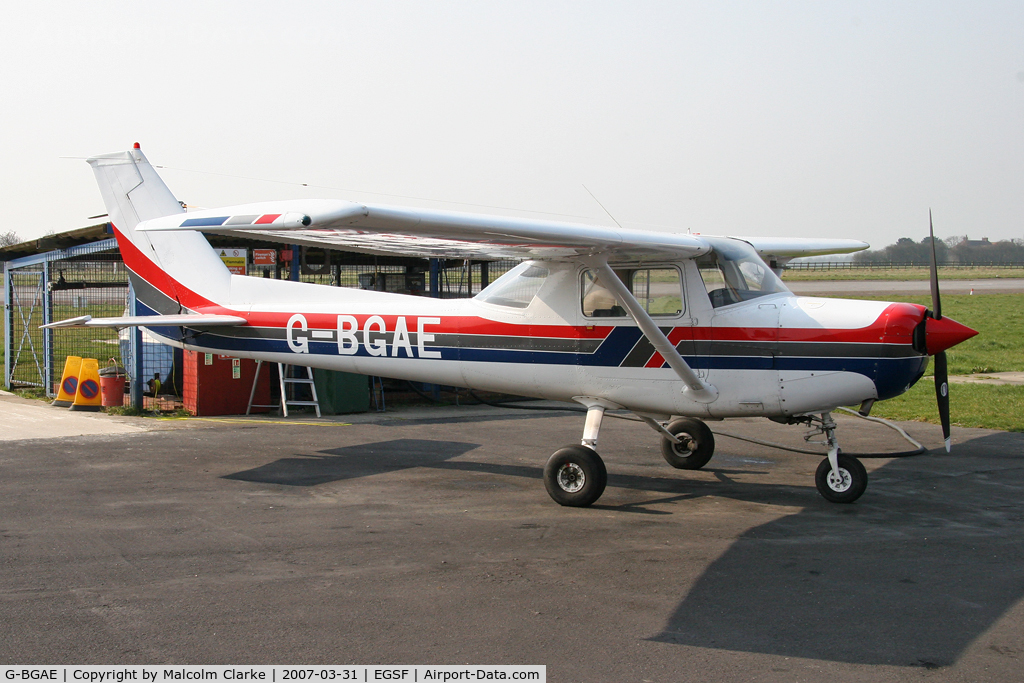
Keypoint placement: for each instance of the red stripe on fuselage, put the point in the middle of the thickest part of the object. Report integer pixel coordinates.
(143, 266)
(893, 326)
(449, 324)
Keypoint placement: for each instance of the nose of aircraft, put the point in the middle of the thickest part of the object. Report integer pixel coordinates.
(944, 333)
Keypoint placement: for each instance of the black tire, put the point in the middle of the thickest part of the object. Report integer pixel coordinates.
(697, 444)
(575, 476)
(854, 480)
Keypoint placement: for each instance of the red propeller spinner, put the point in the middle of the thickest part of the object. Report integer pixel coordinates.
(943, 333)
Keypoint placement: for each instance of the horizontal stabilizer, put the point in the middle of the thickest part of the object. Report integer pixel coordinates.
(185, 320)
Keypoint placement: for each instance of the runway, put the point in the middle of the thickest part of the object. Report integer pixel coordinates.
(896, 287)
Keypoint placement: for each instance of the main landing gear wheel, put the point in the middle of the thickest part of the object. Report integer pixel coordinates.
(575, 476)
(696, 444)
(845, 488)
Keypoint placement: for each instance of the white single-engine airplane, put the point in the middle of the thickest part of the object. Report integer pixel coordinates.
(674, 328)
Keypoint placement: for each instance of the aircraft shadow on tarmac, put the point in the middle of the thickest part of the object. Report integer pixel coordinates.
(927, 561)
(351, 462)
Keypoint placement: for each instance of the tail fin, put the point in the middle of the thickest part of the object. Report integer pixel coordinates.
(131, 188)
(168, 271)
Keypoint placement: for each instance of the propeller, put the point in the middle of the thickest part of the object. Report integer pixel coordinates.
(941, 375)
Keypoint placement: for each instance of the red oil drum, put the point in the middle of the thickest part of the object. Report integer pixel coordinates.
(112, 384)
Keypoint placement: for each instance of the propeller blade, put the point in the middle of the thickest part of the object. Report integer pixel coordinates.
(936, 304)
(941, 375)
(942, 394)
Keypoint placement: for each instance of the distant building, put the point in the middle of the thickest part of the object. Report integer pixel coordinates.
(983, 242)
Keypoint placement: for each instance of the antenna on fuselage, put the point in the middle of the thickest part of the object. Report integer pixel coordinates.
(602, 206)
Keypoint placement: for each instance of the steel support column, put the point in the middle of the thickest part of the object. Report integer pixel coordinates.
(293, 273)
(136, 350)
(435, 278)
(47, 332)
(8, 324)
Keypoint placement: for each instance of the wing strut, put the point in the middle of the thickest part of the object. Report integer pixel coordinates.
(694, 386)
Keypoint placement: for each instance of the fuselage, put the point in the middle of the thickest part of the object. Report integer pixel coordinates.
(773, 355)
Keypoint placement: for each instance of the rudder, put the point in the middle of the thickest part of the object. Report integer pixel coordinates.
(168, 271)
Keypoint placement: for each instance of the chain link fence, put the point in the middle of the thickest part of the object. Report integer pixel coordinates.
(24, 310)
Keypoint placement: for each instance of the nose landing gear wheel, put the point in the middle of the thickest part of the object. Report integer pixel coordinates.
(848, 486)
(696, 444)
(575, 476)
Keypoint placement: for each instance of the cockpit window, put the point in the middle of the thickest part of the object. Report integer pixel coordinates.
(733, 272)
(658, 290)
(516, 288)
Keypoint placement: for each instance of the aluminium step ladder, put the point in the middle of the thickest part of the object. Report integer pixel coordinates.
(282, 371)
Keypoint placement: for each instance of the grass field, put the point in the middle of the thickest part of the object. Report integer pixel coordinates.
(978, 273)
(970, 405)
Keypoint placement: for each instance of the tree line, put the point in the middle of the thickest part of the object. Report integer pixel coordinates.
(951, 250)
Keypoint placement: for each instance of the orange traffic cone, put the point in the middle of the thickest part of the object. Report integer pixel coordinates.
(68, 383)
(88, 395)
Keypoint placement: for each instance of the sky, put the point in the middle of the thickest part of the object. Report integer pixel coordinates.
(801, 119)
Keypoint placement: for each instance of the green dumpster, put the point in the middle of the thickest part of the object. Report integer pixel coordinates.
(341, 392)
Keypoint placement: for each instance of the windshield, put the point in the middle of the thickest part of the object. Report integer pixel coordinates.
(516, 288)
(733, 272)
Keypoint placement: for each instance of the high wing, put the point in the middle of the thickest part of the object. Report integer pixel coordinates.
(424, 232)
(184, 320)
(388, 230)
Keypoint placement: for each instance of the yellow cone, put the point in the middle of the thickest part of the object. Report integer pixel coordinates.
(88, 395)
(68, 382)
